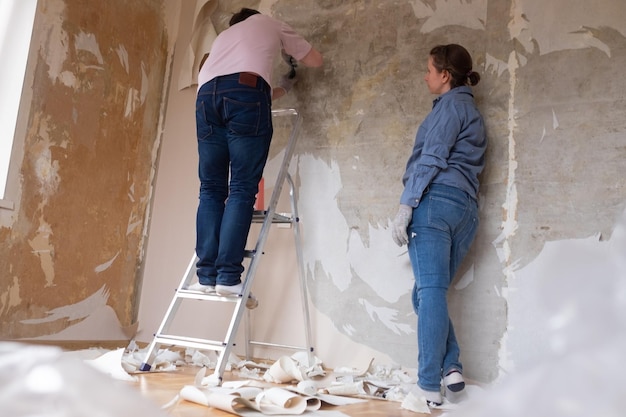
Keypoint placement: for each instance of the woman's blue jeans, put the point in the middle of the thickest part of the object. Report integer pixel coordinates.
(440, 234)
(234, 130)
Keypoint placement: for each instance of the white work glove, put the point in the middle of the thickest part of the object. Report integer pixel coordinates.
(286, 82)
(400, 225)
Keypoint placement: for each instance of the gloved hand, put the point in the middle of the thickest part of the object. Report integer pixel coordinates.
(400, 225)
(286, 82)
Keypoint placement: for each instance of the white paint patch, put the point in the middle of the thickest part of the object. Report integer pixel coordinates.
(387, 316)
(68, 79)
(557, 26)
(106, 265)
(495, 65)
(466, 279)
(355, 165)
(144, 84)
(378, 264)
(98, 321)
(43, 249)
(382, 265)
(509, 225)
(56, 43)
(132, 102)
(131, 192)
(11, 297)
(87, 42)
(132, 226)
(76, 311)
(320, 184)
(472, 15)
(122, 54)
(47, 172)
(555, 121)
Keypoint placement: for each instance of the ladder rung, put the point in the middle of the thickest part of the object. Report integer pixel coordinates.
(190, 342)
(277, 345)
(259, 217)
(197, 295)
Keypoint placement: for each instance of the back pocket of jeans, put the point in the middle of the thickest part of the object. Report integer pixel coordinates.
(243, 117)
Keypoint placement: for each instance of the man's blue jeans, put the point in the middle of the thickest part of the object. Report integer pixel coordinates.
(234, 130)
(440, 234)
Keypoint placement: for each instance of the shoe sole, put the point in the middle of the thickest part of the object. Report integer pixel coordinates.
(454, 382)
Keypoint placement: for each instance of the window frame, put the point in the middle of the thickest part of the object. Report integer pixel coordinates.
(17, 20)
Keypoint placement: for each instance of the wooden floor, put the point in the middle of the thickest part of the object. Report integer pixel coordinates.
(164, 386)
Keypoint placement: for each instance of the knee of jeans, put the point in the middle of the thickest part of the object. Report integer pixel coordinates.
(430, 293)
(432, 282)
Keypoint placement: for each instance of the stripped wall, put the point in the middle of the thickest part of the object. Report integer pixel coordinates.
(553, 189)
(71, 251)
(553, 172)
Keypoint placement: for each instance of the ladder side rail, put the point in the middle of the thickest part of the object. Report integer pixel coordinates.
(228, 344)
(167, 319)
(267, 222)
(302, 285)
(301, 273)
(282, 175)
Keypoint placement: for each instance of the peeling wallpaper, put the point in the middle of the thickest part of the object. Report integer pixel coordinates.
(73, 256)
(85, 180)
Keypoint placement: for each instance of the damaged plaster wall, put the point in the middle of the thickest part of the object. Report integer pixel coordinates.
(554, 112)
(71, 252)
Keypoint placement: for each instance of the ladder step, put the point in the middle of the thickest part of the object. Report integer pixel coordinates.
(259, 216)
(197, 295)
(190, 342)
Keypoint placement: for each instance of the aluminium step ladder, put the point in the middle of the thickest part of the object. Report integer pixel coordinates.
(267, 218)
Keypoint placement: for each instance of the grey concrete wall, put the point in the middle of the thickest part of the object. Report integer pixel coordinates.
(551, 205)
(553, 107)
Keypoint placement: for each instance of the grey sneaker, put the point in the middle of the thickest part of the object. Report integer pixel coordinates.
(235, 290)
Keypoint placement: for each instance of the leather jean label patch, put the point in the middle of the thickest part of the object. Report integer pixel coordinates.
(247, 79)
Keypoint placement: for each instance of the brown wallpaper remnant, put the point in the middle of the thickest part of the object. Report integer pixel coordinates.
(76, 242)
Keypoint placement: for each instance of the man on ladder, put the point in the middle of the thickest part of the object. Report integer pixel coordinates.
(234, 131)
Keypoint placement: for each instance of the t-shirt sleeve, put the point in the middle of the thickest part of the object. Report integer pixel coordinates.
(294, 44)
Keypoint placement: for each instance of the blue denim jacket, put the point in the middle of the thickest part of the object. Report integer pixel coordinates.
(449, 147)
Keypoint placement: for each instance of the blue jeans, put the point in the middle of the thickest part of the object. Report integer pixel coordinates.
(440, 234)
(234, 130)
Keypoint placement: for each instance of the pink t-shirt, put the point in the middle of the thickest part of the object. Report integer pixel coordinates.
(251, 46)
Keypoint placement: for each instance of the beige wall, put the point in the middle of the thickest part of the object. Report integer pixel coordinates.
(71, 251)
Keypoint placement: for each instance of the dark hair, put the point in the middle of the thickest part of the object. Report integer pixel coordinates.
(457, 61)
(242, 15)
